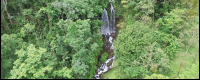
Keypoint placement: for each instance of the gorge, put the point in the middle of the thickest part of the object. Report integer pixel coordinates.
(107, 30)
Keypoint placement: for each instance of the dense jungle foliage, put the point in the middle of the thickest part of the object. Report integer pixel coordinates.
(62, 39)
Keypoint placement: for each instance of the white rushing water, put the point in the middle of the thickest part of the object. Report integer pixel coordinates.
(104, 67)
(106, 30)
(104, 18)
(112, 19)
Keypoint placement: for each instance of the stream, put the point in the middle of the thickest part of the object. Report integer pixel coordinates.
(108, 32)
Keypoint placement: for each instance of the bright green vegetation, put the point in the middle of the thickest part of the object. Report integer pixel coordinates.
(188, 70)
(55, 39)
(114, 72)
(104, 57)
(61, 39)
(158, 41)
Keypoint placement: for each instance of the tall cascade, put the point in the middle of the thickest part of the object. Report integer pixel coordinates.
(107, 29)
(112, 19)
(104, 18)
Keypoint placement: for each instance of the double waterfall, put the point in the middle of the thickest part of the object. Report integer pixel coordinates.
(107, 29)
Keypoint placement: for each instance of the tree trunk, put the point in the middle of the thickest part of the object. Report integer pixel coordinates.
(49, 21)
(6, 28)
(5, 3)
(182, 61)
(185, 53)
(153, 20)
(37, 39)
(194, 59)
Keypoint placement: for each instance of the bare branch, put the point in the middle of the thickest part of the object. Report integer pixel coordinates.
(194, 59)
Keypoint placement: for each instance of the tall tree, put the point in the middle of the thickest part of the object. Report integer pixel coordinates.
(9, 44)
(35, 63)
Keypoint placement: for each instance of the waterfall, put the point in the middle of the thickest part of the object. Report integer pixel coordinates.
(105, 27)
(112, 19)
(106, 30)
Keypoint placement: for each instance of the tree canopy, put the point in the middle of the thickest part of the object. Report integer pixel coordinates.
(62, 39)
